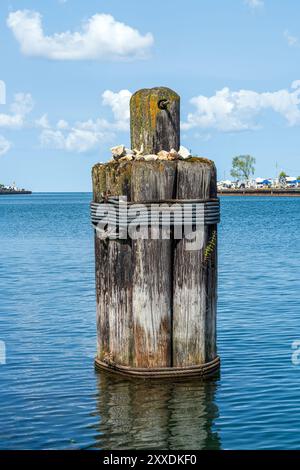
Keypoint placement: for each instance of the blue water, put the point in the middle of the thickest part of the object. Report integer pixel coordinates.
(50, 395)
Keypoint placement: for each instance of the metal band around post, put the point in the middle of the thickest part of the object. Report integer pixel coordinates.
(200, 371)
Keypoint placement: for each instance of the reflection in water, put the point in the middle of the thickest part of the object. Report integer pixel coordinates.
(138, 414)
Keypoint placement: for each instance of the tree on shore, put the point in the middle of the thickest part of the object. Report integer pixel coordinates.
(282, 174)
(243, 167)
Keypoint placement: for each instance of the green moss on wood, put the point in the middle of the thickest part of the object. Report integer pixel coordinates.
(115, 177)
(206, 161)
(151, 125)
(112, 178)
(99, 181)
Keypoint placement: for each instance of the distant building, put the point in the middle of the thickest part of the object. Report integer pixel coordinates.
(261, 183)
(291, 181)
(226, 184)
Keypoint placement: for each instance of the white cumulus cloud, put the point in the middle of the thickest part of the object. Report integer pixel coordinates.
(230, 111)
(62, 124)
(255, 3)
(43, 122)
(84, 136)
(5, 145)
(77, 139)
(119, 103)
(293, 41)
(23, 104)
(2, 92)
(101, 37)
(19, 109)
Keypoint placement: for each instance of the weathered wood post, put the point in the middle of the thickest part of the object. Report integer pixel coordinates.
(155, 120)
(156, 296)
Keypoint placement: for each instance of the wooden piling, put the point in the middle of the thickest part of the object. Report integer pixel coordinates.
(155, 120)
(113, 275)
(195, 278)
(152, 272)
(156, 301)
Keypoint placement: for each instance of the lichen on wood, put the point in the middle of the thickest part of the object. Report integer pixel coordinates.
(156, 128)
(112, 178)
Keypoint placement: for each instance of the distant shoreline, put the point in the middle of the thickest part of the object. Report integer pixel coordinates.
(7, 192)
(260, 192)
(223, 192)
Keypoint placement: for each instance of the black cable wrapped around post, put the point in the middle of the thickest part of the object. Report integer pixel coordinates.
(156, 297)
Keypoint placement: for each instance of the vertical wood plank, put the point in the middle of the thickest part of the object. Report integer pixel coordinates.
(152, 272)
(212, 283)
(192, 306)
(113, 275)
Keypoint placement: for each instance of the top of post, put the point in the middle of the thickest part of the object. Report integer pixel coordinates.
(155, 120)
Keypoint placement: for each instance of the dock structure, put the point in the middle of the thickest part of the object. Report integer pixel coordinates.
(156, 284)
(292, 192)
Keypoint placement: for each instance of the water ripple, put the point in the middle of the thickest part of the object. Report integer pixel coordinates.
(51, 398)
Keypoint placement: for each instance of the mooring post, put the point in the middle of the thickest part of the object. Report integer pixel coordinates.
(156, 298)
(155, 120)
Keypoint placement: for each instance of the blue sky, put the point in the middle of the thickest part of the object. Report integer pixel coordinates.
(235, 64)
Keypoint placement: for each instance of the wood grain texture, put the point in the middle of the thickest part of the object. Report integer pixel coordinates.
(113, 274)
(156, 300)
(154, 128)
(194, 280)
(156, 297)
(152, 271)
(212, 284)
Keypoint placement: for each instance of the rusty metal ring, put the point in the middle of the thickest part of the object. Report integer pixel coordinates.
(163, 104)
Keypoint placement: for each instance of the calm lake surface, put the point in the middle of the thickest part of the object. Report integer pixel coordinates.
(50, 395)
